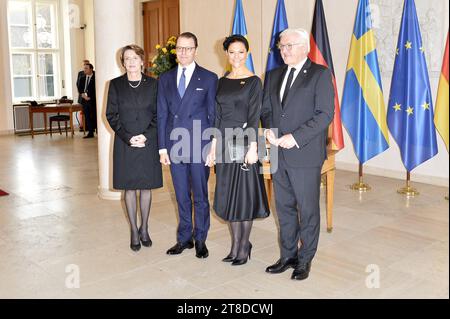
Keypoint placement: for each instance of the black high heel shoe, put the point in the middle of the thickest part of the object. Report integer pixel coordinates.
(239, 262)
(229, 259)
(145, 243)
(135, 247)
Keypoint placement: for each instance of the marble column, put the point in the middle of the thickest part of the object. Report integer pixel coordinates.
(114, 28)
(6, 113)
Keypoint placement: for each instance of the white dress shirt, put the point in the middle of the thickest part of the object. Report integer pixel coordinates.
(86, 84)
(298, 68)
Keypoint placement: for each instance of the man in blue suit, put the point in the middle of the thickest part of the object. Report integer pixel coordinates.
(186, 108)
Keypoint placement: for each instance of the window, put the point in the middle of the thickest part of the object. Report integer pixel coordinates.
(34, 47)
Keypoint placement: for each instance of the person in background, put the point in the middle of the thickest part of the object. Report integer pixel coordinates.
(86, 85)
(79, 76)
(80, 99)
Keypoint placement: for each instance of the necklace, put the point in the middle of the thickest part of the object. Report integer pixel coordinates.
(135, 86)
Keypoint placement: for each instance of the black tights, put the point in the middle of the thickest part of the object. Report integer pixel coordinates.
(145, 201)
(240, 239)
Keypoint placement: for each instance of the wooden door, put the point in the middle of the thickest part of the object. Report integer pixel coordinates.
(153, 27)
(171, 11)
(161, 21)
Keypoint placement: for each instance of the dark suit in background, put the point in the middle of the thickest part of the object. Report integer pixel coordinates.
(89, 107)
(79, 87)
(307, 113)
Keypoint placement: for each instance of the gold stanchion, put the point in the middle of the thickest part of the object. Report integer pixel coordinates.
(361, 186)
(408, 190)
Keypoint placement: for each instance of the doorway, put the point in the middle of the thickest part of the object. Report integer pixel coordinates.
(161, 20)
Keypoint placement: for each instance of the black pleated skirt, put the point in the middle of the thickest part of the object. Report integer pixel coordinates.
(240, 195)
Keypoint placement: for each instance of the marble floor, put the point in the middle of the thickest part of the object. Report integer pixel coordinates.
(59, 240)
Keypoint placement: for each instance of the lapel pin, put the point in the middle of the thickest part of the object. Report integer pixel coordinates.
(242, 82)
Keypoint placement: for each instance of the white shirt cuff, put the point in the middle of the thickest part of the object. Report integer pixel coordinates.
(163, 151)
(296, 144)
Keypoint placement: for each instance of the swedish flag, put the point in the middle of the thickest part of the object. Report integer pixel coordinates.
(239, 27)
(410, 113)
(363, 108)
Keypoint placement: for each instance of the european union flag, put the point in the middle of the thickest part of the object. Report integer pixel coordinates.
(363, 108)
(410, 113)
(280, 23)
(239, 27)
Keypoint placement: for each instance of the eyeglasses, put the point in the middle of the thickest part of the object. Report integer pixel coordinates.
(185, 49)
(288, 46)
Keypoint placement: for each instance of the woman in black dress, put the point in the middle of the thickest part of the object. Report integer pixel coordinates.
(131, 113)
(240, 195)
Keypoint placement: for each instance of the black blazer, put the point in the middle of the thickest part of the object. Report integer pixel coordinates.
(130, 116)
(132, 112)
(90, 90)
(308, 111)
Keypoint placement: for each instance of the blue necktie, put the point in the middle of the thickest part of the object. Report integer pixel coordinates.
(182, 84)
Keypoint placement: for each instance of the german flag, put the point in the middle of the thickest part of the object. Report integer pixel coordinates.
(441, 112)
(321, 54)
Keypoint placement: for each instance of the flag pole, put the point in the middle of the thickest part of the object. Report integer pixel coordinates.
(408, 190)
(361, 186)
(323, 181)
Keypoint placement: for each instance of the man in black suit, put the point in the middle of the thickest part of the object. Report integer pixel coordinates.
(79, 76)
(86, 86)
(298, 107)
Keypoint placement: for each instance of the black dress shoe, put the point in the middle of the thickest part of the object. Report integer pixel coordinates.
(89, 136)
(282, 265)
(301, 272)
(201, 251)
(179, 247)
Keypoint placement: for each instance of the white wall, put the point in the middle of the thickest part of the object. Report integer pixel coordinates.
(89, 34)
(433, 16)
(76, 53)
(434, 19)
